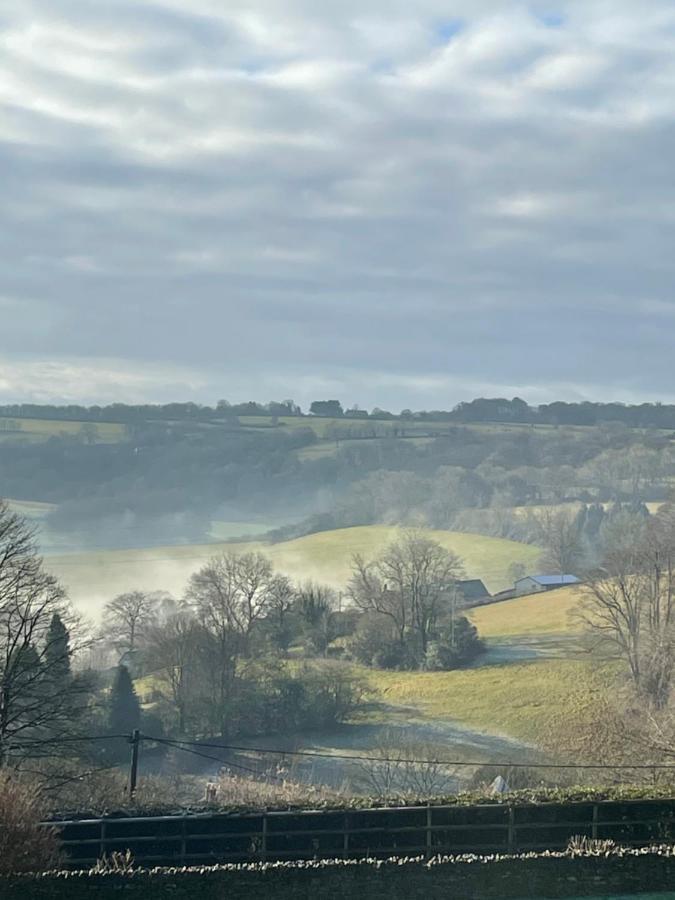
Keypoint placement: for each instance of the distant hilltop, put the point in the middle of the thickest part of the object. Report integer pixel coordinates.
(498, 410)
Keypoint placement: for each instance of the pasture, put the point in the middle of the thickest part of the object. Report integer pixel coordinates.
(42, 429)
(550, 612)
(93, 577)
(537, 702)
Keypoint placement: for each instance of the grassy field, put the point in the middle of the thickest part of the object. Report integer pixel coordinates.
(320, 425)
(551, 612)
(328, 447)
(42, 429)
(535, 702)
(94, 577)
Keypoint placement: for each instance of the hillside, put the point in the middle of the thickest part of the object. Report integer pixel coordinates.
(94, 577)
(545, 613)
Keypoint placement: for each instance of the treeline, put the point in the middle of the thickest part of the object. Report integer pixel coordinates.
(501, 410)
(168, 481)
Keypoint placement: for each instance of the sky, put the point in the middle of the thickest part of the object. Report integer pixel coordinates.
(402, 203)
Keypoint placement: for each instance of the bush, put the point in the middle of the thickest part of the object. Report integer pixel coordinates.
(25, 845)
(454, 647)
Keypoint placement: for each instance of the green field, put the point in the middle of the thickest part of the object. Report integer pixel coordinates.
(529, 701)
(320, 425)
(550, 612)
(329, 447)
(42, 429)
(94, 577)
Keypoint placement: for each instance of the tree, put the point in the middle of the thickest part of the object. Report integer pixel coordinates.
(37, 702)
(411, 583)
(560, 536)
(173, 651)
(281, 598)
(127, 618)
(57, 649)
(331, 408)
(233, 592)
(124, 710)
(315, 605)
(629, 608)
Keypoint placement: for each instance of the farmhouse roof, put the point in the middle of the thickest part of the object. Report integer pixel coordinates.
(473, 589)
(553, 579)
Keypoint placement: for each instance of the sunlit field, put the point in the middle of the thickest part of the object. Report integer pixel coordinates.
(42, 429)
(94, 577)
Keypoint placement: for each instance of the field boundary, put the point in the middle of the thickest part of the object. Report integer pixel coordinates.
(380, 832)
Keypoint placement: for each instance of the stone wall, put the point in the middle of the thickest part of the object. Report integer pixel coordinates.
(544, 875)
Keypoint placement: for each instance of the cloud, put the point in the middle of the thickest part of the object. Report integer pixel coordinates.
(403, 204)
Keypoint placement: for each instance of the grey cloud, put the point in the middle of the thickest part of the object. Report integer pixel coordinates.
(283, 196)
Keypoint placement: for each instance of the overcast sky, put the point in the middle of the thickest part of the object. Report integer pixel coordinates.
(391, 202)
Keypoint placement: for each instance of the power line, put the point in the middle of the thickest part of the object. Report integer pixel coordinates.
(176, 745)
(428, 762)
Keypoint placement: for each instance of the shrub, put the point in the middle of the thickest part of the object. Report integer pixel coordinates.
(454, 647)
(25, 845)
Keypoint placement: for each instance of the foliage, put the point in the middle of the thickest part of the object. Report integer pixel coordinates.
(25, 845)
(455, 646)
(124, 710)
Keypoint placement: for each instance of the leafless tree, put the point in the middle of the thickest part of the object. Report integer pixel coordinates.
(173, 652)
(403, 767)
(234, 592)
(560, 538)
(411, 583)
(127, 619)
(39, 697)
(282, 595)
(630, 607)
(316, 605)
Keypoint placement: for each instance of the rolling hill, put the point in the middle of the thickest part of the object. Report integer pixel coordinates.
(94, 577)
(546, 613)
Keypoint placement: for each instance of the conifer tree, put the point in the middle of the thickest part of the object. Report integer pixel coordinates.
(124, 710)
(57, 649)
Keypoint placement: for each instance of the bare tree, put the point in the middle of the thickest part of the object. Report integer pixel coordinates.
(39, 697)
(173, 651)
(233, 591)
(316, 605)
(411, 583)
(281, 598)
(559, 535)
(404, 767)
(630, 608)
(127, 618)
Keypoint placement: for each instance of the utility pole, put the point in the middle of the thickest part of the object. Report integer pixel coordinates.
(135, 741)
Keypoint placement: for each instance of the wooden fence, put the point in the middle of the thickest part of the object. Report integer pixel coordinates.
(382, 832)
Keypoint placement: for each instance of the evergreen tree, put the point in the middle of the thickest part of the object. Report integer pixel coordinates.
(124, 710)
(57, 649)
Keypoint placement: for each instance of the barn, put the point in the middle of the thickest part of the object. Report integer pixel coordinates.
(532, 584)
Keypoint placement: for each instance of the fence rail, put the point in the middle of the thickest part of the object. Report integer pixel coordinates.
(378, 832)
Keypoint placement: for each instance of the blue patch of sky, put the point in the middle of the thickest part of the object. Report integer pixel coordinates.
(382, 67)
(551, 19)
(445, 29)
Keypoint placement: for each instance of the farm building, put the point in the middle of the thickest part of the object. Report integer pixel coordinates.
(472, 590)
(531, 584)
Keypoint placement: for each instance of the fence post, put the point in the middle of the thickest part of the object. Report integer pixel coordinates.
(345, 835)
(263, 844)
(429, 832)
(183, 839)
(594, 826)
(101, 849)
(512, 829)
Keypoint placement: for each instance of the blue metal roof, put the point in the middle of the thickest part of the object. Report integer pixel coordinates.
(555, 579)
